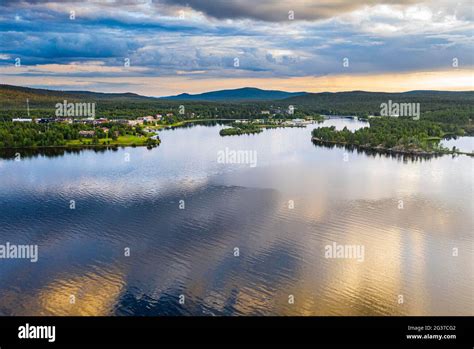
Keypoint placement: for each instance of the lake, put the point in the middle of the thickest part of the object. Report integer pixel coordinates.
(174, 231)
(464, 143)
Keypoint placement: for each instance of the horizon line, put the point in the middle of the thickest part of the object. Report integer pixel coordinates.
(231, 89)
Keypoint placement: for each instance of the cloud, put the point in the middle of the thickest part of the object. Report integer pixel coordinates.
(378, 37)
(279, 10)
(164, 86)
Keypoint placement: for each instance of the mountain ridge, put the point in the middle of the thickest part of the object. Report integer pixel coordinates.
(265, 94)
(237, 94)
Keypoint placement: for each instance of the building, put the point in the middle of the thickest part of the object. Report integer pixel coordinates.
(89, 121)
(146, 118)
(87, 134)
(158, 117)
(44, 121)
(64, 120)
(100, 121)
(22, 120)
(265, 112)
(135, 122)
(120, 121)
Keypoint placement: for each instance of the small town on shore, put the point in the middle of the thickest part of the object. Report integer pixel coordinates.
(92, 131)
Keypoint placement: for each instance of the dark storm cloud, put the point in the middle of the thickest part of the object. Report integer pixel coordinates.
(266, 10)
(278, 10)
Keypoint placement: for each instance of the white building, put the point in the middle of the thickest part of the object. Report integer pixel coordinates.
(146, 118)
(135, 122)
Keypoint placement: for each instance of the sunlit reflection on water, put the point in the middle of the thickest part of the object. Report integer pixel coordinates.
(409, 215)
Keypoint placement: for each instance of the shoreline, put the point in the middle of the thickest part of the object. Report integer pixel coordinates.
(377, 149)
(81, 146)
(393, 151)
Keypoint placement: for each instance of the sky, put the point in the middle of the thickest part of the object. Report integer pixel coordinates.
(167, 47)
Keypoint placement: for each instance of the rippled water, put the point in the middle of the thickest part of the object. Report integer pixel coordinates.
(409, 215)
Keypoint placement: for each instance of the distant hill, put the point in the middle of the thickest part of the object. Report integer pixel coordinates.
(369, 102)
(443, 106)
(9, 94)
(363, 96)
(239, 94)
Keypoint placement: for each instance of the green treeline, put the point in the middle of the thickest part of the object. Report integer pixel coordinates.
(17, 135)
(438, 106)
(240, 129)
(388, 133)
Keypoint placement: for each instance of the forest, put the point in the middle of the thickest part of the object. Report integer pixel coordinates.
(392, 133)
(442, 113)
(32, 135)
(240, 129)
(439, 106)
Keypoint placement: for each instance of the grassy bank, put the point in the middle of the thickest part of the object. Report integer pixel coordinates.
(123, 141)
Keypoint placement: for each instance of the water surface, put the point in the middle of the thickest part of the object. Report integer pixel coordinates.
(464, 143)
(409, 214)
